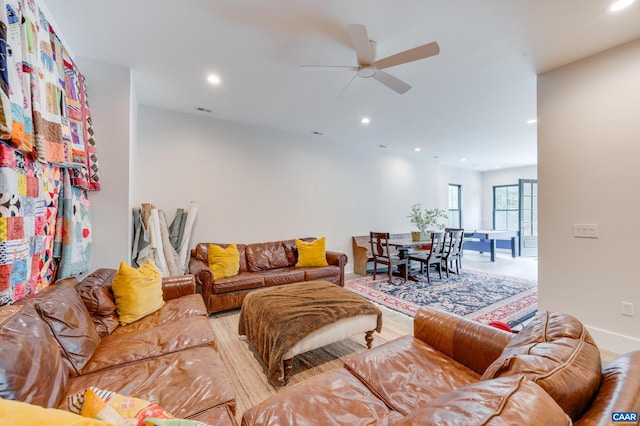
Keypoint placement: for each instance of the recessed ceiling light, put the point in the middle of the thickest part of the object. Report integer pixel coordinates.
(365, 120)
(532, 121)
(619, 5)
(213, 79)
(463, 159)
(418, 149)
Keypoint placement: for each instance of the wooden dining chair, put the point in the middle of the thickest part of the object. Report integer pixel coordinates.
(435, 255)
(381, 254)
(453, 250)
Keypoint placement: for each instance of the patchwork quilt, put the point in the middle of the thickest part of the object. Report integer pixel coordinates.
(47, 155)
(29, 192)
(73, 230)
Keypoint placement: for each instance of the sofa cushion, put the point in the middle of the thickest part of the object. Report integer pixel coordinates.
(292, 251)
(184, 383)
(265, 256)
(557, 352)
(282, 276)
(151, 342)
(173, 310)
(71, 325)
(511, 400)
(408, 374)
(98, 300)
(31, 365)
(242, 281)
(311, 253)
(138, 292)
(224, 262)
(334, 397)
(102, 308)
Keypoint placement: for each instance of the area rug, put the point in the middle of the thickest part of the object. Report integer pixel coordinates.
(472, 294)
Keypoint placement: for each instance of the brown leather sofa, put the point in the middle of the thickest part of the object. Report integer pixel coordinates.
(457, 371)
(261, 265)
(67, 338)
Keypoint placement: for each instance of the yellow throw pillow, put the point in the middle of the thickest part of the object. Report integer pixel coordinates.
(311, 253)
(224, 262)
(21, 413)
(138, 292)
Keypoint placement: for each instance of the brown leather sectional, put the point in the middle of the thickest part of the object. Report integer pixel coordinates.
(458, 371)
(67, 338)
(261, 265)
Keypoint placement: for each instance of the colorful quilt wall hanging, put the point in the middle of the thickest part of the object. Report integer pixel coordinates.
(44, 108)
(29, 198)
(72, 244)
(48, 156)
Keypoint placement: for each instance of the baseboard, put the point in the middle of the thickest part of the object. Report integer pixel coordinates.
(614, 342)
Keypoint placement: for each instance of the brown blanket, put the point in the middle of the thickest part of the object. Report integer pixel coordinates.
(277, 318)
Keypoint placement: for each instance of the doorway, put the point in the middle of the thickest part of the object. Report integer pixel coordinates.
(528, 218)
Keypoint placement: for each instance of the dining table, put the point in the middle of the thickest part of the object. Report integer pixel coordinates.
(403, 247)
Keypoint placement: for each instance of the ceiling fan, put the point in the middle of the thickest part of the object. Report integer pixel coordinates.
(369, 67)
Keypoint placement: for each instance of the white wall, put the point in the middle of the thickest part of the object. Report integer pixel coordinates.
(255, 184)
(588, 153)
(109, 93)
(500, 177)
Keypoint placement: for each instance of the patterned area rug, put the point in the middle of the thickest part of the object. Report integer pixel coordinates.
(476, 295)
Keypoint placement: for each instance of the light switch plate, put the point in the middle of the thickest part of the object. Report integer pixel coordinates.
(586, 231)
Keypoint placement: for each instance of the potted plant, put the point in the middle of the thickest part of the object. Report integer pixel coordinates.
(424, 219)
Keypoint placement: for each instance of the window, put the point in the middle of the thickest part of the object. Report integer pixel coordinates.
(455, 201)
(506, 207)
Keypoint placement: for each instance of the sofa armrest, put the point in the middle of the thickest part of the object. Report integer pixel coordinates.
(204, 278)
(337, 259)
(471, 343)
(619, 390)
(178, 286)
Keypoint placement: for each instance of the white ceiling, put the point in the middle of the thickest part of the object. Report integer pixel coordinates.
(472, 101)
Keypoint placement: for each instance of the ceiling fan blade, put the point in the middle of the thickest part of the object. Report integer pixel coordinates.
(360, 40)
(391, 82)
(328, 68)
(410, 55)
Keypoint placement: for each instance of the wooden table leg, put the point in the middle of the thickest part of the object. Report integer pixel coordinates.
(368, 336)
(288, 366)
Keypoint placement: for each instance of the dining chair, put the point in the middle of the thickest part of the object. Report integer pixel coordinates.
(434, 257)
(453, 250)
(381, 254)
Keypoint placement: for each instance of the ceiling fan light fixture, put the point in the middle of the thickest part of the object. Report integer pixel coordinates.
(366, 72)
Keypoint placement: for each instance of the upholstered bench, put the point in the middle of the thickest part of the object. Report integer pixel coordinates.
(282, 322)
